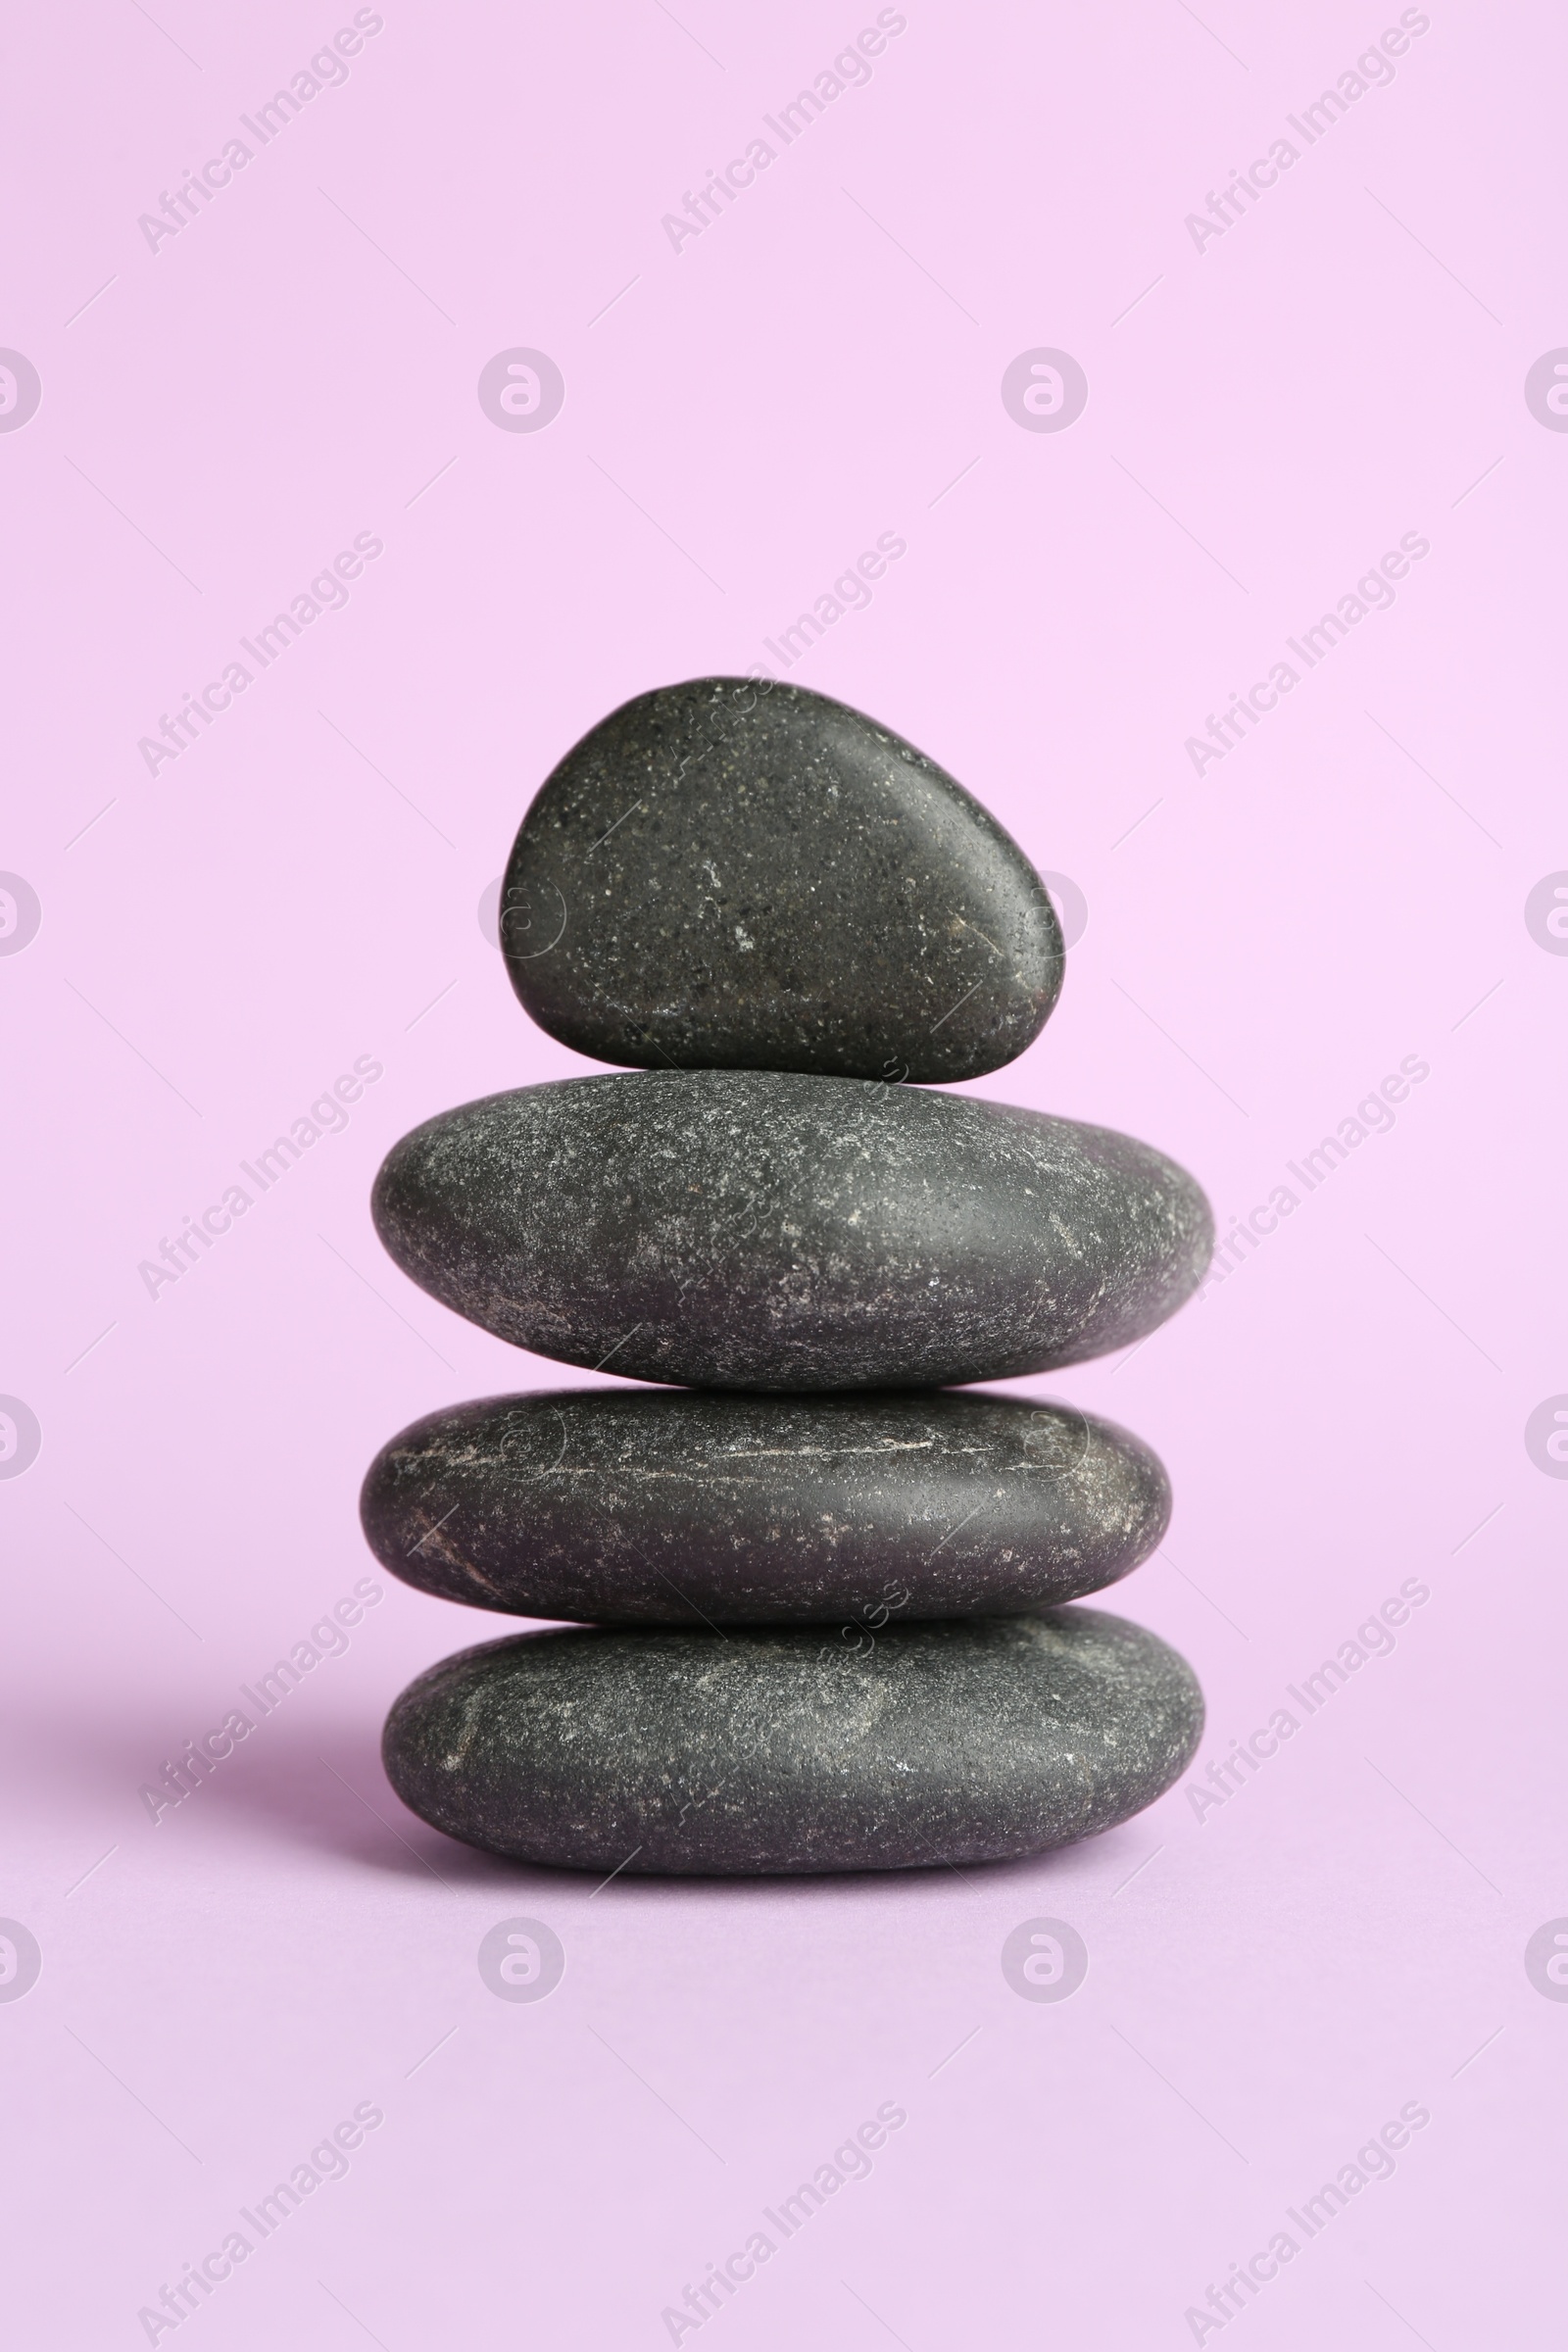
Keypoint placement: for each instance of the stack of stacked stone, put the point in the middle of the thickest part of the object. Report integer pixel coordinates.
(814, 1595)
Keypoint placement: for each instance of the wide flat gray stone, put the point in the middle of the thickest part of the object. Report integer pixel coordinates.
(759, 1230)
(774, 1750)
(667, 1506)
(728, 875)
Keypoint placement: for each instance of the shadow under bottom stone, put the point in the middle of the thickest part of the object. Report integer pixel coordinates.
(754, 1751)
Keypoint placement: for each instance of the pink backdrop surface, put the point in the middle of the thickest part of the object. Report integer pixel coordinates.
(1281, 1958)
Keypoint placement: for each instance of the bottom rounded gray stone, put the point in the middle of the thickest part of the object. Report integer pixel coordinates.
(785, 1749)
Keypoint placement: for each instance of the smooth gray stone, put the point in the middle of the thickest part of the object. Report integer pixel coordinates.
(638, 1506)
(771, 1749)
(729, 875)
(756, 1230)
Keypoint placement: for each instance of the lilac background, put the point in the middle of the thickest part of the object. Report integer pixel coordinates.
(1265, 942)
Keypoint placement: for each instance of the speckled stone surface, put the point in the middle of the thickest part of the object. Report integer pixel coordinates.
(774, 1750)
(728, 875)
(757, 1230)
(660, 1506)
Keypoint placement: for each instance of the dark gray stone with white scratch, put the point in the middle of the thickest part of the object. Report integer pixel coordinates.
(771, 1749)
(663, 1506)
(762, 1230)
(729, 875)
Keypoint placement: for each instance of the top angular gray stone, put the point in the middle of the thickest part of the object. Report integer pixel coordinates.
(733, 875)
